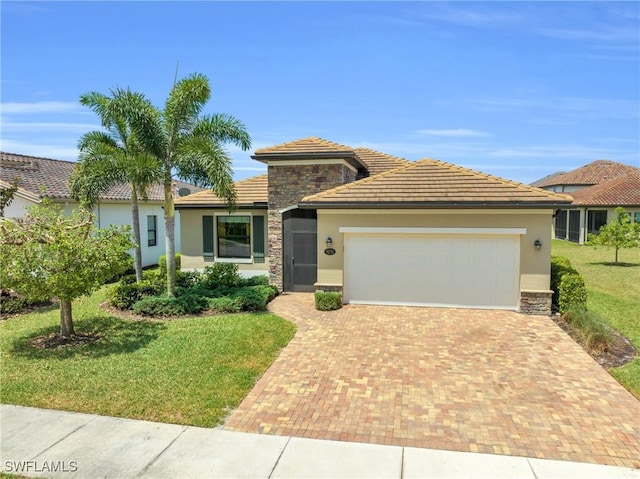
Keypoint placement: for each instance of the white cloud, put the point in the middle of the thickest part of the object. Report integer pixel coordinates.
(56, 152)
(454, 132)
(25, 108)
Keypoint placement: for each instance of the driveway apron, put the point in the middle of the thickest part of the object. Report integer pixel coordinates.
(456, 379)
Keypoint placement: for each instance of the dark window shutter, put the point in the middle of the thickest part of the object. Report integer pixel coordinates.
(258, 239)
(207, 237)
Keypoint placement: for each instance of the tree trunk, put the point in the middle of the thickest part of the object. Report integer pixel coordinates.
(66, 319)
(169, 228)
(616, 254)
(135, 218)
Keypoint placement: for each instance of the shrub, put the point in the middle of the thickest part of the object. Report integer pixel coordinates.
(220, 274)
(162, 263)
(596, 336)
(253, 298)
(12, 304)
(559, 267)
(125, 295)
(262, 280)
(225, 305)
(186, 279)
(328, 301)
(572, 293)
(170, 306)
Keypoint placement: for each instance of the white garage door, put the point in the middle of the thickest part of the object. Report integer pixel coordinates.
(459, 270)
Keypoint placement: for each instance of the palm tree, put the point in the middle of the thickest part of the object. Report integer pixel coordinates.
(189, 145)
(115, 157)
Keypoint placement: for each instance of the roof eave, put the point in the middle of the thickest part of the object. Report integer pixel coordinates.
(350, 156)
(434, 204)
(192, 206)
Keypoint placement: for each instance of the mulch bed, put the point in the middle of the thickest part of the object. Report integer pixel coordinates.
(619, 352)
(54, 340)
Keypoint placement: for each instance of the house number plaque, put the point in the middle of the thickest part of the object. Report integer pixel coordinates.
(329, 251)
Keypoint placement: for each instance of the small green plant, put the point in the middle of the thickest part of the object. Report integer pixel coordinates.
(162, 263)
(572, 293)
(12, 304)
(559, 267)
(220, 274)
(328, 301)
(596, 336)
(124, 294)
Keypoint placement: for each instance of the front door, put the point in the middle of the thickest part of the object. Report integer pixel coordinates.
(299, 228)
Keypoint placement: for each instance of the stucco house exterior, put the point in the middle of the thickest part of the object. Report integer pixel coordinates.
(597, 189)
(379, 229)
(46, 177)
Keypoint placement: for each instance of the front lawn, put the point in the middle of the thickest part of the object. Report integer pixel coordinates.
(613, 293)
(185, 371)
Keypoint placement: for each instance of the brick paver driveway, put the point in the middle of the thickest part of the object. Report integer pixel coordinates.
(466, 380)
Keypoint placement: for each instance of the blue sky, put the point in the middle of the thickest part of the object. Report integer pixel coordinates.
(515, 89)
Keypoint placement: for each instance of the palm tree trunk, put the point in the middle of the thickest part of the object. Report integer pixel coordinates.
(135, 219)
(66, 319)
(169, 228)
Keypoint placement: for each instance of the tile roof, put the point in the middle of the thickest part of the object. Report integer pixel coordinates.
(312, 144)
(249, 191)
(621, 191)
(591, 174)
(544, 181)
(377, 162)
(46, 177)
(432, 182)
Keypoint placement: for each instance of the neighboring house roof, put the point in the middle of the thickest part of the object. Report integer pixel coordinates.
(46, 177)
(543, 181)
(21, 192)
(434, 183)
(621, 191)
(591, 174)
(250, 192)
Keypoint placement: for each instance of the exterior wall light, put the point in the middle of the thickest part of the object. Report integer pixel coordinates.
(329, 250)
(329, 242)
(537, 244)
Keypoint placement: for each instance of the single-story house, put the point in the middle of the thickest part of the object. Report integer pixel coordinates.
(379, 229)
(46, 177)
(597, 190)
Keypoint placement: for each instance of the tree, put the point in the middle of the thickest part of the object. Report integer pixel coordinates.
(191, 146)
(115, 157)
(619, 233)
(6, 195)
(48, 254)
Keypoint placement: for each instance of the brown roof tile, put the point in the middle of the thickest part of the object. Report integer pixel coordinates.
(591, 174)
(377, 162)
(432, 182)
(249, 192)
(621, 191)
(311, 144)
(46, 177)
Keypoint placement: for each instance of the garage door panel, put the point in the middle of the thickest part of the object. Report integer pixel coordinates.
(466, 271)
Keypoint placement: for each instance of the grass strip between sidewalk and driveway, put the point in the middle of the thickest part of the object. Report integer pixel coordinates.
(613, 293)
(185, 371)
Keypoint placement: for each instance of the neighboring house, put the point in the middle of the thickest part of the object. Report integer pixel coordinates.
(597, 190)
(45, 177)
(380, 229)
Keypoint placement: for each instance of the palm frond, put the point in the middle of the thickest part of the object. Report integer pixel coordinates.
(224, 128)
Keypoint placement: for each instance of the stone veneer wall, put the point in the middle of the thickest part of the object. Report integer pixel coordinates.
(288, 184)
(536, 302)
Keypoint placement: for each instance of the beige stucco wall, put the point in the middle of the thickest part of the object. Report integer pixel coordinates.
(534, 264)
(191, 241)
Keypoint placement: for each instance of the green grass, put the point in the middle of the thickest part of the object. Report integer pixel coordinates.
(613, 294)
(187, 371)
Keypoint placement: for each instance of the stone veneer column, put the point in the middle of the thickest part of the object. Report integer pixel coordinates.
(288, 184)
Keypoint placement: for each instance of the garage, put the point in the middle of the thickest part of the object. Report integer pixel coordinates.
(449, 267)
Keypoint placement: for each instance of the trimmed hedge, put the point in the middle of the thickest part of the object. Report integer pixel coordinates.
(559, 267)
(328, 301)
(572, 293)
(124, 295)
(162, 263)
(171, 306)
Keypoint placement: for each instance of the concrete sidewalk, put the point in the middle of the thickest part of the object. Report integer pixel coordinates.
(47, 443)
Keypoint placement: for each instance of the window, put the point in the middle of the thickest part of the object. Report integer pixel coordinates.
(636, 217)
(258, 239)
(234, 236)
(152, 230)
(596, 219)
